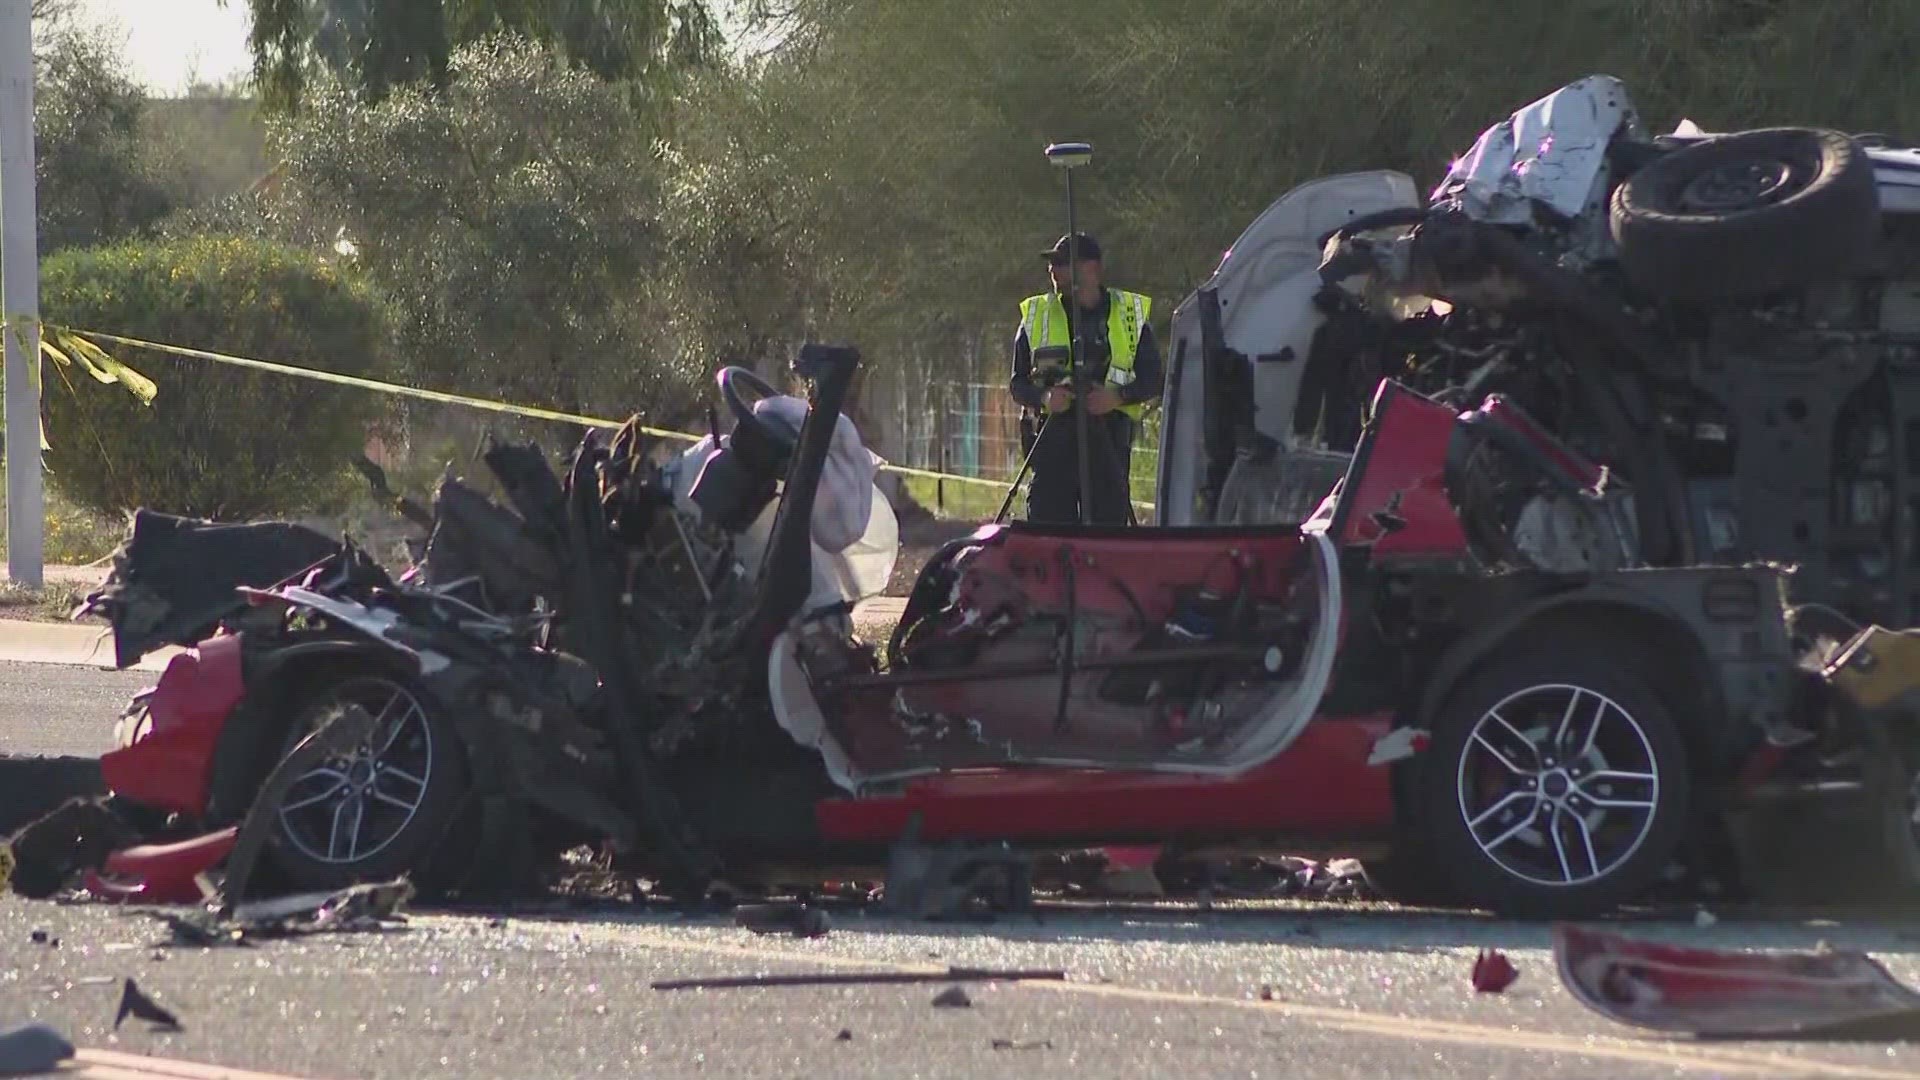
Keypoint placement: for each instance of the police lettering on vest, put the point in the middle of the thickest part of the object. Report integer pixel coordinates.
(1048, 334)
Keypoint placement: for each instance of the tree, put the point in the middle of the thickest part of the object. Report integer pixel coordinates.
(373, 46)
(512, 219)
(51, 14)
(926, 121)
(95, 183)
(217, 441)
(206, 144)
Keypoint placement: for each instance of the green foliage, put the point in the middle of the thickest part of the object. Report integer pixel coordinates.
(553, 227)
(206, 145)
(375, 46)
(513, 221)
(876, 175)
(94, 182)
(75, 535)
(909, 136)
(218, 442)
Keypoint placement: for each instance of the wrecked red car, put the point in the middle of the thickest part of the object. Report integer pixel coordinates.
(1448, 640)
(663, 658)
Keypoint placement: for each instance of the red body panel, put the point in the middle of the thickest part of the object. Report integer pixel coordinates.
(1507, 414)
(1152, 566)
(1402, 469)
(169, 766)
(162, 873)
(1321, 784)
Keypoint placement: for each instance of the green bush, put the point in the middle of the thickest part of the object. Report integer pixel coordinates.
(219, 441)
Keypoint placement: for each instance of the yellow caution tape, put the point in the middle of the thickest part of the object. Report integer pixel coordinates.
(105, 368)
(378, 385)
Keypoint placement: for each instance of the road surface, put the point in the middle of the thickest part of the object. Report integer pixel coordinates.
(1359, 991)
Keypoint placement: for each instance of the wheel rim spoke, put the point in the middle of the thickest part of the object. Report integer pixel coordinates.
(399, 723)
(311, 800)
(1559, 845)
(1494, 810)
(1500, 841)
(334, 832)
(1600, 789)
(1566, 720)
(1586, 843)
(391, 801)
(1517, 736)
(1501, 756)
(391, 773)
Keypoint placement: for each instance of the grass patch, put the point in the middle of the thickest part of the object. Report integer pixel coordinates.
(53, 602)
(960, 501)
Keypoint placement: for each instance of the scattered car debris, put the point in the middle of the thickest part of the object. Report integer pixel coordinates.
(1033, 1044)
(855, 978)
(1716, 993)
(46, 852)
(138, 1005)
(31, 1049)
(369, 907)
(953, 997)
(799, 919)
(957, 882)
(1493, 972)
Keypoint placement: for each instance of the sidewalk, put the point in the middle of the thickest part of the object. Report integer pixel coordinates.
(73, 644)
(79, 577)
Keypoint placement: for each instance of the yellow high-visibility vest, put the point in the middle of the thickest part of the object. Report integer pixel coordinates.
(1045, 319)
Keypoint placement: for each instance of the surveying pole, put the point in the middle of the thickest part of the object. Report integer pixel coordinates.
(1070, 156)
(20, 296)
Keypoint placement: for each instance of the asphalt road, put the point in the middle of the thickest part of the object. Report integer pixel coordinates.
(1359, 991)
(56, 709)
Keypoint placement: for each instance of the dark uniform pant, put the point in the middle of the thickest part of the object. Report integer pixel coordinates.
(1054, 495)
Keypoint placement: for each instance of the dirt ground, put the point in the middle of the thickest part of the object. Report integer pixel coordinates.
(921, 534)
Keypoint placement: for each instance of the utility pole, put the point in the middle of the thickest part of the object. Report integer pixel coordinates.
(20, 296)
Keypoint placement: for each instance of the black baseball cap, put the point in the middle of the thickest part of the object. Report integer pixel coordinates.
(1059, 252)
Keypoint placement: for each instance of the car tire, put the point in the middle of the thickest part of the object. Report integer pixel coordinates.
(402, 794)
(1886, 862)
(1530, 816)
(1793, 206)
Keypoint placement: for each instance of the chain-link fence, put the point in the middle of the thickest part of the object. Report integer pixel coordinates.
(971, 427)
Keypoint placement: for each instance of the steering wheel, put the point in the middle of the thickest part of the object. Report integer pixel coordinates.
(732, 381)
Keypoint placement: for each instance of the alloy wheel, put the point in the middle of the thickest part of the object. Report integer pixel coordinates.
(355, 805)
(1558, 785)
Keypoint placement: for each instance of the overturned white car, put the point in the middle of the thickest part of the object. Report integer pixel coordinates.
(1729, 324)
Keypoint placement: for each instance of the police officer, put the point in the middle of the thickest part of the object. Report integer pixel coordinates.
(1122, 369)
